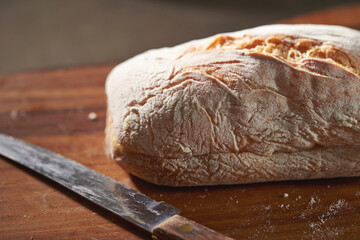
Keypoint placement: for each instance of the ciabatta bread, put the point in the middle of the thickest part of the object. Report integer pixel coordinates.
(276, 102)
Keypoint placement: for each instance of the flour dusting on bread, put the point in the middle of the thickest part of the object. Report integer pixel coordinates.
(276, 102)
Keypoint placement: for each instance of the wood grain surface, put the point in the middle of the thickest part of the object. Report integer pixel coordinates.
(51, 108)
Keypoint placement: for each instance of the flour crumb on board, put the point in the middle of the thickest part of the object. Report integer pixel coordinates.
(15, 114)
(286, 195)
(313, 201)
(337, 206)
(101, 226)
(284, 206)
(318, 228)
(92, 116)
(263, 231)
(261, 222)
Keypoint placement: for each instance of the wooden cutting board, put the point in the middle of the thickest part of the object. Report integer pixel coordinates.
(51, 108)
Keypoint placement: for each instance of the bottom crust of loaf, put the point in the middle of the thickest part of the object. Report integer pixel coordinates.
(231, 168)
(236, 168)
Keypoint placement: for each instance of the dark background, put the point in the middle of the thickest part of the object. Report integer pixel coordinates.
(40, 34)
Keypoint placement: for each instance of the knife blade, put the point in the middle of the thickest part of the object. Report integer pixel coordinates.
(159, 218)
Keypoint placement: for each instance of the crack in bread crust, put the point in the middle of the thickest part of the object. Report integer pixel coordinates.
(242, 107)
(235, 168)
(239, 168)
(289, 48)
(258, 104)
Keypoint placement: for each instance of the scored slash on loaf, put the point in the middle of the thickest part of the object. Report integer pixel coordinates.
(271, 103)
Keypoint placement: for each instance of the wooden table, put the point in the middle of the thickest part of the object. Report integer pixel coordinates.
(51, 108)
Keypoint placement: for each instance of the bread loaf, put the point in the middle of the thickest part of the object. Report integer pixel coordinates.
(276, 102)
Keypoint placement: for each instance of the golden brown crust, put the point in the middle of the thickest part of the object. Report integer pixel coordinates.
(289, 48)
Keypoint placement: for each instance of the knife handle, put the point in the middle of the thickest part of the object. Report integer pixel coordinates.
(179, 228)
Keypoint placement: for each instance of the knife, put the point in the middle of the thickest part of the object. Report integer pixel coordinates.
(158, 218)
